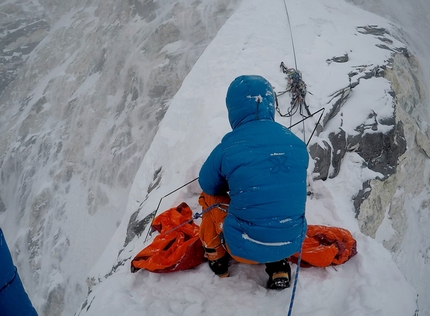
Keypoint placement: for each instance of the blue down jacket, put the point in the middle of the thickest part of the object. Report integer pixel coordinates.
(13, 298)
(262, 166)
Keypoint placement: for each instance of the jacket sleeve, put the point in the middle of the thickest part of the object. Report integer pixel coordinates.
(13, 297)
(211, 180)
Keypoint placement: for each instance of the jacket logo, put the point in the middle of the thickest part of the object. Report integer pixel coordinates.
(279, 163)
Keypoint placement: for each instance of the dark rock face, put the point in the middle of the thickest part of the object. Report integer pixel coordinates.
(18, 38)
(340, 145)
(136, 227)
(381, 151)
(322, 157)
(379, 141)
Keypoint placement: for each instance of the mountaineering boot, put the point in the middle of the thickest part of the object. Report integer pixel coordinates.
(220, 266)
(279, 275)
(278, 281)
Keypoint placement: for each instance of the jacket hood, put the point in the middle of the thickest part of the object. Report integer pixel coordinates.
(250, 98)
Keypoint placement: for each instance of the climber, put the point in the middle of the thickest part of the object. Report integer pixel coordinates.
(259, 170)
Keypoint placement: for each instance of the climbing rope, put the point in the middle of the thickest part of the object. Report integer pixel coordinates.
(296, 277)
(291, 33)
(297, 89)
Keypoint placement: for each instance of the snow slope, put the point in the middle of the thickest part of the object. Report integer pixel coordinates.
(254, 41)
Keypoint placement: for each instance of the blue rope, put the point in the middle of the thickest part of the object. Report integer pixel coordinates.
(290, 309)
(293, 294)
(296, 277)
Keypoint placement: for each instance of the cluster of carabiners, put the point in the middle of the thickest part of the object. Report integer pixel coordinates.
(296, 87)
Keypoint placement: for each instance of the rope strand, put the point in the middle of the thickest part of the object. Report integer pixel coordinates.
(302, 92)
(291, 33)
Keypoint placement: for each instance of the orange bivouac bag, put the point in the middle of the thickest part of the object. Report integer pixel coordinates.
(178, 247)
(325, 246)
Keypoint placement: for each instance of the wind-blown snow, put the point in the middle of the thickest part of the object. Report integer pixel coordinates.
(76, 123)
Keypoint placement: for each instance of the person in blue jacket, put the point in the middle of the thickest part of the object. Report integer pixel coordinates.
(14, 300)
(259, 170)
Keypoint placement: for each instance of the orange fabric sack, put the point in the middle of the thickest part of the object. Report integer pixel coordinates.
(325, 246)
(176, 248)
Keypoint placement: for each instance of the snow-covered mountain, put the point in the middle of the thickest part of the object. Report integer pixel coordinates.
(107, 106)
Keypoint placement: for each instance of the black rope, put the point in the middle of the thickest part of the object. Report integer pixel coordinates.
(316, 125)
